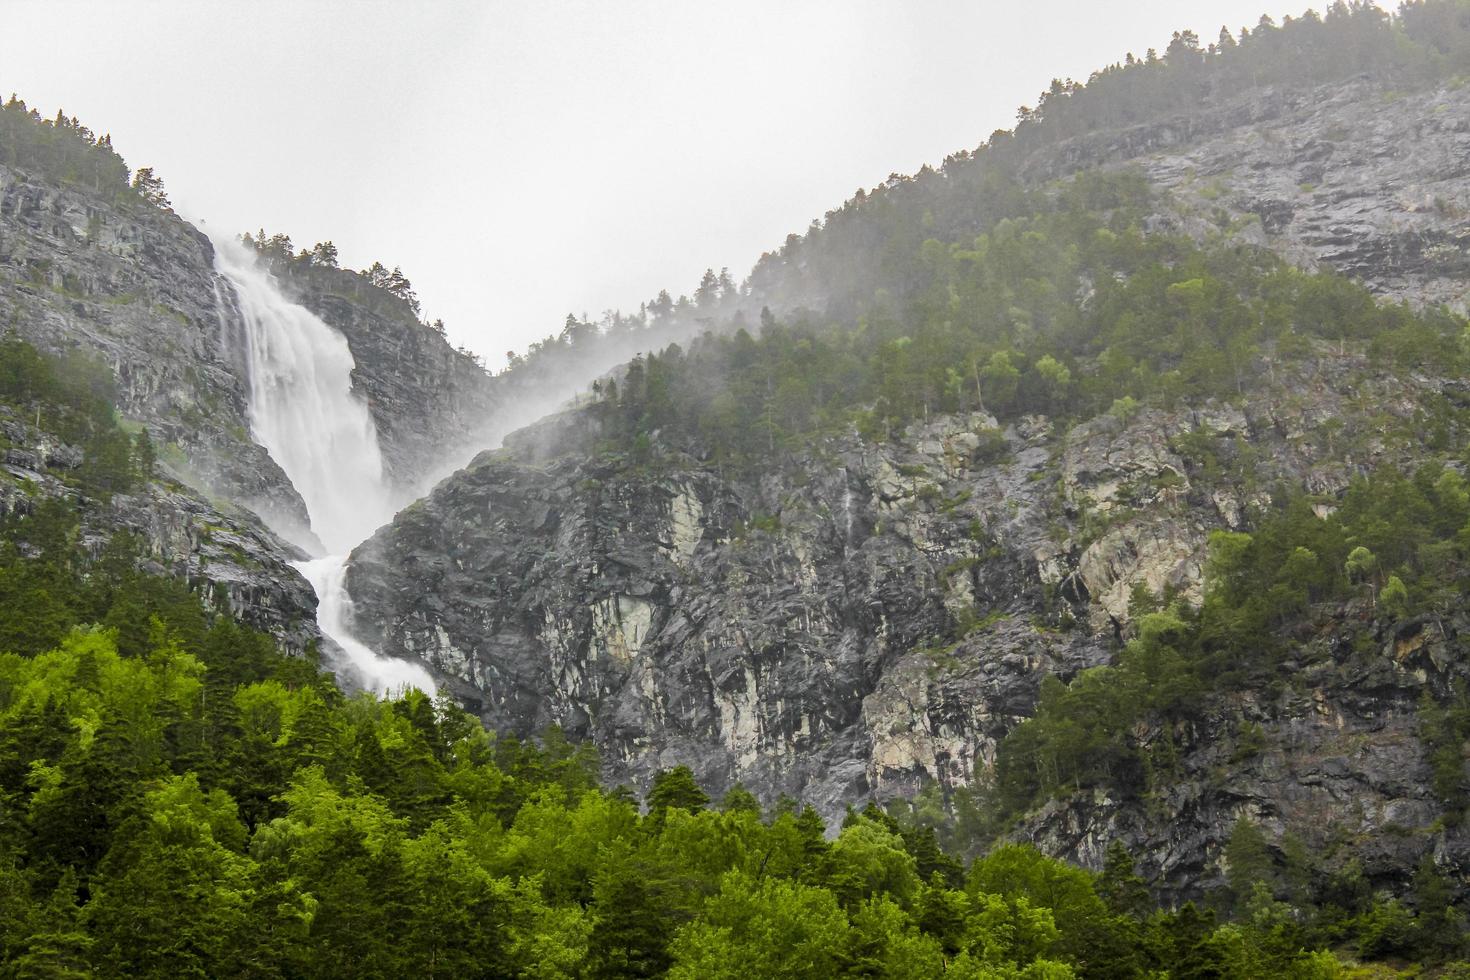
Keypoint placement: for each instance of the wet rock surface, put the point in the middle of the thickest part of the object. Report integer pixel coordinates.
(1335, 762)
(742, 627)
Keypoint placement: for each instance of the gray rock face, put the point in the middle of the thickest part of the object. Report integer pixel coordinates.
(757, 630)
(856, 620)
(135, 286)
(1358, 178)
(1337, 764)
(861, 619)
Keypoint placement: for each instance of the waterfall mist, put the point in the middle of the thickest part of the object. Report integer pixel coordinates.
(302, 409)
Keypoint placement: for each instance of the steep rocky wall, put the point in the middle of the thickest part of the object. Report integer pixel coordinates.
(135, 287)
(863, 618)
(677, 617)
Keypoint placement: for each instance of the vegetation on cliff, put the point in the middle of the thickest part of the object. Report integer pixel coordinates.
(1067, 308)
(61, 146)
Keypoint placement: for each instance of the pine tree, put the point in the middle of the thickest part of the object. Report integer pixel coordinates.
(675, 789)
(1124, 891)
(149, 186)
(324, 254)
(631, 933)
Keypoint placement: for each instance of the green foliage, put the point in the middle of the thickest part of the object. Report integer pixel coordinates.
(991, 321)
(1395, 597)
(1444, 729)
(149, 186)
(62, 147)
(1248, 860)
(1119, 886)
(318, 267)
(676, 789)
(72, 397)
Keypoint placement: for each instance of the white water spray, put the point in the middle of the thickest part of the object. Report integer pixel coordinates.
(303, 411)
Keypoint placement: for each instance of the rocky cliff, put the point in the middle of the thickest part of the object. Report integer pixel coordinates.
(91, 269)
(859, 617)
(865, 618)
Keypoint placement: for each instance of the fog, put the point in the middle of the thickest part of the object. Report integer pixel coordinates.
(520, 161)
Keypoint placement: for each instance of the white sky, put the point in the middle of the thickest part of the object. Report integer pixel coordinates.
(523, 160)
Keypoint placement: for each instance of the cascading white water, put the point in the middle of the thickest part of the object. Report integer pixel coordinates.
(303, 411)
(334, 609)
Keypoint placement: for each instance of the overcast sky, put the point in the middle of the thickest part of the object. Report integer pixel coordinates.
(524, 160)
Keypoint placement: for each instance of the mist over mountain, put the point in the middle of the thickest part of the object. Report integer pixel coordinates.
(1053, 562)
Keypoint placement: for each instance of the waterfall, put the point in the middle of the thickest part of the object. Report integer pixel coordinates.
(303, 411)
